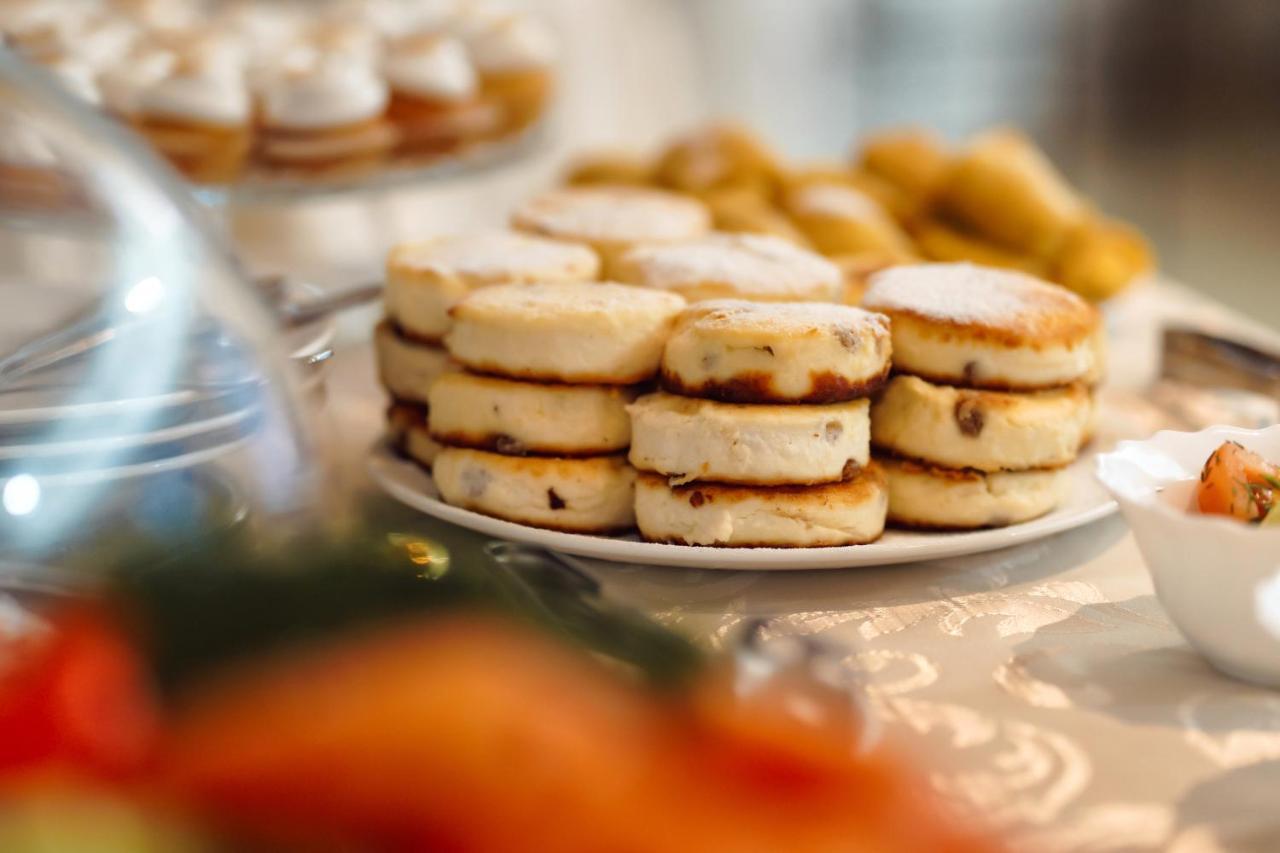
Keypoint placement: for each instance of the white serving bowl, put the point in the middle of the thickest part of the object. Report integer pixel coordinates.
(1219, 579)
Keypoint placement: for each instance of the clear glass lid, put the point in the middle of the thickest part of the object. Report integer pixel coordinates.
(146, 390)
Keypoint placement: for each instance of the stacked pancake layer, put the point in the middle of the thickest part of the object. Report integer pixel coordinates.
(760, 437)
(424, 281)
(534, 428)
(991, 399)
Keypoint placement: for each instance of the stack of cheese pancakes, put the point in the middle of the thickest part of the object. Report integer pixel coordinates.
(991, 397)
(760, 436)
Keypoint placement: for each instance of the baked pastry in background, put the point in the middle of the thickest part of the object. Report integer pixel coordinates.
(849, 512)
(426, 278)
(594, 333)
(612, 219)
(752, 352)
(1002, 187)
(838, 219)
(326, 117)
(717, 157)
(905, 196)
(1101, 257)
(754, 267)
(940, 241)
(609, 167)
(588, 495)
(914, 161)
(743, 210)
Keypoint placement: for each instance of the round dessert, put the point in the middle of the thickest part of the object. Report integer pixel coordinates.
(519, 418)
(198, 117)
(839, 219)
(931, 497)
(851, 512)
(591, 495)
(406, 368)
(606, 334)
(756, 267)
(326, 117)
(407, 429)
(1003, 187)
(685, 439)
(986, 430)
(435, 94)
(613, 219)
(425, 279)
(514, 55)
(795, 352)
(980, 327)
(718, 157)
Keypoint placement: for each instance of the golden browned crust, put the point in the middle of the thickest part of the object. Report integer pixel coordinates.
(506, 445)
(757, 387)
(676, 540)
(890, 458)
(542, 525)
(970, 382)
(409, 337)
(406, 413)
(861, 484)
(488, 369)
(1061, 318)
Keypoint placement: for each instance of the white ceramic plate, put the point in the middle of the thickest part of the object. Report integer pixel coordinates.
(408, 483)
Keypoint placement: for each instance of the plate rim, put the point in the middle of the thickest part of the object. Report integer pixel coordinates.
(382, 460)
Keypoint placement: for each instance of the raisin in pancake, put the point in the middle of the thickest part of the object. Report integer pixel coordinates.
(590, 495)
(792, 352)
(986, 430)
(685, 439)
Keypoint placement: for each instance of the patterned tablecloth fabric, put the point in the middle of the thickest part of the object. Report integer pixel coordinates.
(1043, 683)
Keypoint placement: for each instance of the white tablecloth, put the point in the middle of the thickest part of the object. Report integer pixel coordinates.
(1043, 683)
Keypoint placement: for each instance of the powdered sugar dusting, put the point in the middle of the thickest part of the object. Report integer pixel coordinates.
(969, 294)
(752, 265)
(496, 256)
(625, 214)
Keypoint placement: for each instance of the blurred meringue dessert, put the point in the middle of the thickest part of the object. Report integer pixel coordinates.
(199, 117)
(325, 116)
(435, 94)
(310, 89)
